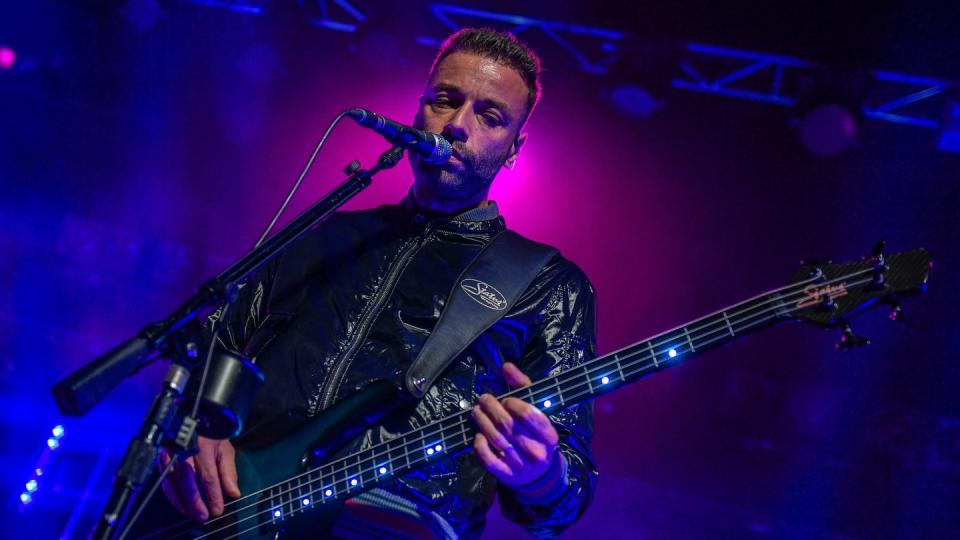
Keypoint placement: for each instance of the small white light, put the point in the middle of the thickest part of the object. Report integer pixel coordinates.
(429, 451)
(328, 492)
(38, 471)
(277, 513)
(31, 486)
(672, 353)
(353, 482)
(604, 380)
(306, 502)
(547, 403)
(57, 431)
(383, 470)
(438, 448)
(53, 443)
(25, 498)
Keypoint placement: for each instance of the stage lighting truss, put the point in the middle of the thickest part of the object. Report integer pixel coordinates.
(592, 48)
(319, 12)
(249, 7)
(769, 78)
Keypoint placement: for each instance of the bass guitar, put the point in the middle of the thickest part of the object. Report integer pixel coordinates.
(295, 486)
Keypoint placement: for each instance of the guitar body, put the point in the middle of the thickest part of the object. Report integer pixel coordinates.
(259, 470)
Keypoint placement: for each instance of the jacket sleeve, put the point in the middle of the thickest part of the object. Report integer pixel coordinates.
(567, 339)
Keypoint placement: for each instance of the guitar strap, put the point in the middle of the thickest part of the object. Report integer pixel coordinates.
(483, 293)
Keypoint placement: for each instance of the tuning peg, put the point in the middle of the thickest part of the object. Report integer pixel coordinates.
(850, 340)
(896, 314)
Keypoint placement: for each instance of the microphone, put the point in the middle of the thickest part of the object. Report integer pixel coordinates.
(431, 147)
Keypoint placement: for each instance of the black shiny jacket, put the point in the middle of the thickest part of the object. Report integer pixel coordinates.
(355, 299)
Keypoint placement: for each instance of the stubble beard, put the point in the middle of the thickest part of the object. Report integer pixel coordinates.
(463, 183)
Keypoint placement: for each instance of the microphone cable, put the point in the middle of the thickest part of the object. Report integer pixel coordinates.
(215, 326)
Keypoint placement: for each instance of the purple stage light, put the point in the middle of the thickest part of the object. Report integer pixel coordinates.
(8, 57)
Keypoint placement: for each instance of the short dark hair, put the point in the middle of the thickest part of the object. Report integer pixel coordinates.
(501, 47)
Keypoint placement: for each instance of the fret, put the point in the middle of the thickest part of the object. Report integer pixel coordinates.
(727, 321)
(406, 452)
(616, 360)
(464, 434)
(328, 486)
(689, 341)
(556, 386)
(292, 494)
(653, 354)
(586, 374)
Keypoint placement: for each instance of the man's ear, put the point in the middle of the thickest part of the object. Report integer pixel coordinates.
(514, 150)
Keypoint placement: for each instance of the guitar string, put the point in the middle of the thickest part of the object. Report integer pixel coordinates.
(439, 428)
(637, 371)
(592, 368)
(577, 396)
(735, 314)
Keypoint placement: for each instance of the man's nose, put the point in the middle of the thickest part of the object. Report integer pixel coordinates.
(456, 127)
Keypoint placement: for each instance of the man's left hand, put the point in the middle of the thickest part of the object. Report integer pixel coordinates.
(516, 442)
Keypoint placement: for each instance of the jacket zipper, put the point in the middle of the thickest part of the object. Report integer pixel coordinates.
(339, 370)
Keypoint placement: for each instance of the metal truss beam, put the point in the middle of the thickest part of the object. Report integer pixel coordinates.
(892, 97)
(559, 32)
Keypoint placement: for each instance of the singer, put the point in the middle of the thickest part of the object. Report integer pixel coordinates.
(356, 299)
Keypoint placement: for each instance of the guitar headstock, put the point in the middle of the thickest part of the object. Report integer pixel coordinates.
(831, 294)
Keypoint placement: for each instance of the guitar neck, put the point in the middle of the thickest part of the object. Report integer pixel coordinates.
(362, 470)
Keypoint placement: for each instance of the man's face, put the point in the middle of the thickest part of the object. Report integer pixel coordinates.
(479, 106)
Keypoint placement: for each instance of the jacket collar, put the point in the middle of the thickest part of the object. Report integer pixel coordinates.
(485, 219)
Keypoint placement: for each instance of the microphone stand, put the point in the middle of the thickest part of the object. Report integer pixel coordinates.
(80, 391)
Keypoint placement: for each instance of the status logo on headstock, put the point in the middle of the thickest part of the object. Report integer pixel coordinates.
(814, 295)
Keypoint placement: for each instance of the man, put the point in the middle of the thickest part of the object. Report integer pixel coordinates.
(356, 299)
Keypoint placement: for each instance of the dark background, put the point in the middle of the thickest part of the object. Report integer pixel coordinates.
(145, 144)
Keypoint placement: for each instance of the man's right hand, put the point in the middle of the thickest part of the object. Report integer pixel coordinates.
(196, 486)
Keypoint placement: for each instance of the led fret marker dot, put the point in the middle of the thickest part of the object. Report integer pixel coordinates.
(383, 470)
(328, 492)
(306, 502)
(353, 482)
(547, 403)
(604, 380)
(429, 451)
(438, 448)
(672, 353)
(277, 513)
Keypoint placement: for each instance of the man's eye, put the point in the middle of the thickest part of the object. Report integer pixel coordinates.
(491, 119)
(441, 102)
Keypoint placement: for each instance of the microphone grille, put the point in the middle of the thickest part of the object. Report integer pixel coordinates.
(441, 150)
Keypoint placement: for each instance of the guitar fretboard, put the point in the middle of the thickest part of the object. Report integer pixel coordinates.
(350, 475)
